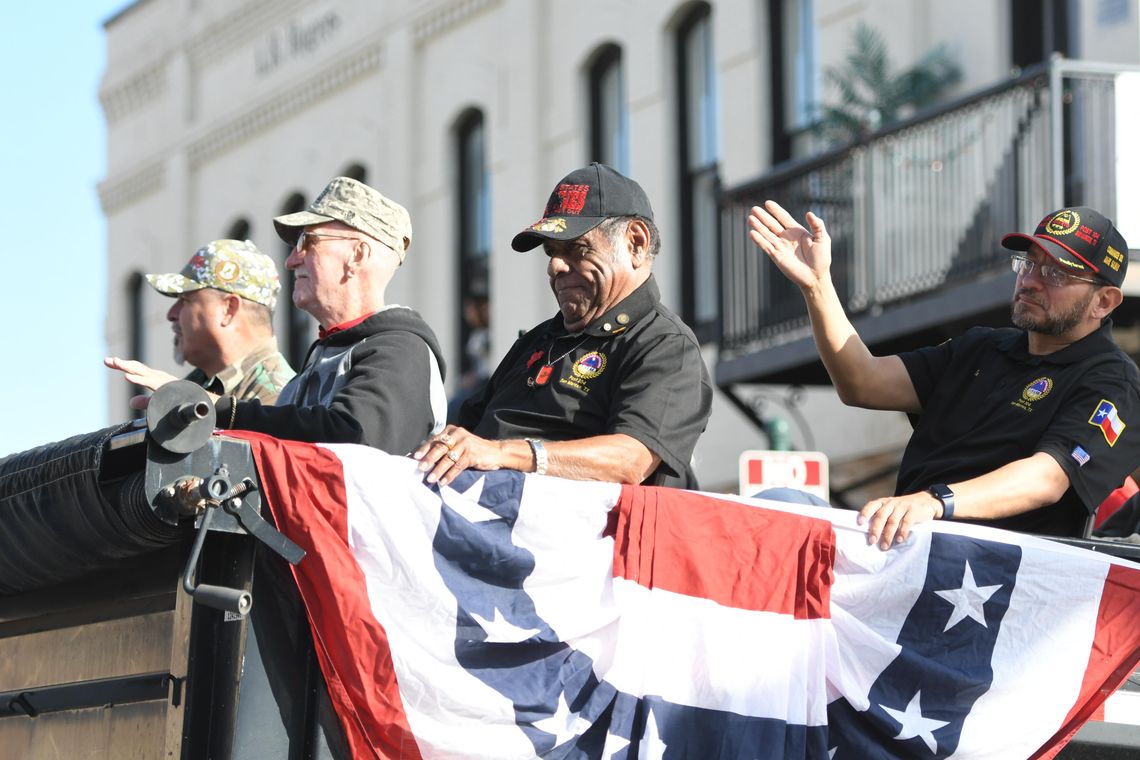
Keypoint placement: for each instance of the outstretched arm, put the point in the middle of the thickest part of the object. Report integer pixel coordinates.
(804, 257)
(144, 376)
(139, 373)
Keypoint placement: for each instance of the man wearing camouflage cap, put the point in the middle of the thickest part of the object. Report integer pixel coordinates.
(222, 318)
(375, 374)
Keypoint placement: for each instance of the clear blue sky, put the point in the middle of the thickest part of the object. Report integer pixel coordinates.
(52, 297)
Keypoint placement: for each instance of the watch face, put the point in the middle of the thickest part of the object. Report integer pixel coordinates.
(941, 492)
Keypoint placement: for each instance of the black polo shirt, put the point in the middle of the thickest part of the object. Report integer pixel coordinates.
(987, 402)
(636, 370)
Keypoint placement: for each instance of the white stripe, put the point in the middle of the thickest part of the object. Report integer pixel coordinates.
(454, 714)
(665, 644)
(696, 652)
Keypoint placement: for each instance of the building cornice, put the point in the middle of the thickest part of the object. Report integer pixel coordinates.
(124, 189)
(220, 39)
(228, 35)
(146, 85)
(119, 192)
(280, 105)
(440, 20)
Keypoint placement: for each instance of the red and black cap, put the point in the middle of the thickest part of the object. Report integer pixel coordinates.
(1081, 240)
(584, 199)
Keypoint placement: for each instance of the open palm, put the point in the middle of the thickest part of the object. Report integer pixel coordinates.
(803, 256)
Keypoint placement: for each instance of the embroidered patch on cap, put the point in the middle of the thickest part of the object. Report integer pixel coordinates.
(1063, 222)
(227, 271)
(1080, 455)
(557, 224)
(572, 199)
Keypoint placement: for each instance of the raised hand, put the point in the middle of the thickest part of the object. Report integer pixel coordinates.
(803, 256)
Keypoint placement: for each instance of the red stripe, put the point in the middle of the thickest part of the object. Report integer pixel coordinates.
(1110, 433)
(1115, 653)
(304, 487)
(736, 555)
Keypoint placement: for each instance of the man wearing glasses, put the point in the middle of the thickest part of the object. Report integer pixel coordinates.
(1022, 428)
(375, 374)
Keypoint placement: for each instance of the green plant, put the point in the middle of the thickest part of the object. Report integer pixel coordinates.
(871, 95)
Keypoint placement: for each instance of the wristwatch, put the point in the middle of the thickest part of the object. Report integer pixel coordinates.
(540, 459)
(943, 493)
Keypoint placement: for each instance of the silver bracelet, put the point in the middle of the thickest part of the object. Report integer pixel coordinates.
(540, 460)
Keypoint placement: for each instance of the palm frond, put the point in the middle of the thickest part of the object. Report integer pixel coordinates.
(869, 94)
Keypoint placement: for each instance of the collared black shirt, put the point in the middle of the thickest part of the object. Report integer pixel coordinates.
(986, 401)
(636, 370)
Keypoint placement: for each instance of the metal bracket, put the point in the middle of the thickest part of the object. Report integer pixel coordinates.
(103, 692)
(259, 527)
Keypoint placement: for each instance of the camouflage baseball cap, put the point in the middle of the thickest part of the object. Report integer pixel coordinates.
(357, 205)
(234, 266)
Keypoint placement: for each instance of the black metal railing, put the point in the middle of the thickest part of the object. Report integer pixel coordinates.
(923, 204)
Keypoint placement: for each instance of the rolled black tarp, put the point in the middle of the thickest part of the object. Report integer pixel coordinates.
(72, 507)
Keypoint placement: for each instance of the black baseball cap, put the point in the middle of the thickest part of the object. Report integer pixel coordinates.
(584, 199)
(1081, 240)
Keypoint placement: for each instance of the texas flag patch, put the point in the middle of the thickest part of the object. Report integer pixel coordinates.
(1106, 418)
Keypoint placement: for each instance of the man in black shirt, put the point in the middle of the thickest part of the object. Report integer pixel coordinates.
(1020, 428)
(613, 387)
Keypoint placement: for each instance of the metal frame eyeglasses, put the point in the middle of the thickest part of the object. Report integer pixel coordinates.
(1054, 277)
(305, 236)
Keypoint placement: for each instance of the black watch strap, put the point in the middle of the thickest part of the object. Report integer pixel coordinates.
(943, 493)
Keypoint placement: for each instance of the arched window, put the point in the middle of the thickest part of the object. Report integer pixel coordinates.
(699, 153)
(609, 116)
(136, 328)
(239, 229)
(474, 251)
(299, 328)
(357, 172)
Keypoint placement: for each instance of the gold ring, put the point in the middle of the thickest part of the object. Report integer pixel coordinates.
(453, 456)
(446, 441)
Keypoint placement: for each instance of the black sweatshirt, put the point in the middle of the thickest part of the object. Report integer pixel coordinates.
(379, 383)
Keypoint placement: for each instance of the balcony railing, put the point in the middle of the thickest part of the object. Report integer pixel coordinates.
(923, 204)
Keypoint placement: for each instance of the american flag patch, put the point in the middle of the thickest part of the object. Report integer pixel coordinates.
(1080, 455)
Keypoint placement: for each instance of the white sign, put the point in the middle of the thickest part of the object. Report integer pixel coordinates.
(804, 470)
